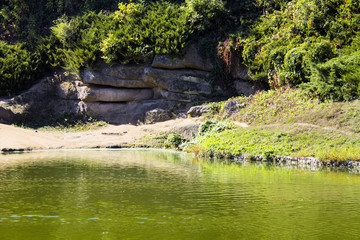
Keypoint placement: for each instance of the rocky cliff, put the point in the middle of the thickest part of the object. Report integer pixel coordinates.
(121, 93)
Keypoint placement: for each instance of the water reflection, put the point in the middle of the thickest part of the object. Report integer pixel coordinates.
(162, 195)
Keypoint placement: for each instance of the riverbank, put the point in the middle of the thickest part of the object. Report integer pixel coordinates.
(283, 126)
(14, 138)
(239, 143)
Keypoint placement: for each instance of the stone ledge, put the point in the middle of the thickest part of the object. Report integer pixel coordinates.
(105, 94)
(97, 78)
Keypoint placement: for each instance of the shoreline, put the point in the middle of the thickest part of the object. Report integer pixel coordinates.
(303, 163)
(14, 139)
(115, 137)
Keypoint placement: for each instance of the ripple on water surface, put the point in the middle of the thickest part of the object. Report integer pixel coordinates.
(164, 195)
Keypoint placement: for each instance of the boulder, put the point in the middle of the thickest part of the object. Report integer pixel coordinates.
(105, 94)
(197, 111)
(157, 115)
(191, 59)
(233, 106)
(99, 78)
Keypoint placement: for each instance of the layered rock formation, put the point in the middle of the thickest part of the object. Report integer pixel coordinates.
(123, 93)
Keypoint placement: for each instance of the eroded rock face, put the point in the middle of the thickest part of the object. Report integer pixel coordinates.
(67, 90)
(124, 81)
(92, 93)
(240, 71)
(6, 115)
(191, 59)
(122, 93)
(179, 81)
(180, 97)
(157, 72)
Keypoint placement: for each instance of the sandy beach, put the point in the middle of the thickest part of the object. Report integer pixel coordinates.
(12, 137)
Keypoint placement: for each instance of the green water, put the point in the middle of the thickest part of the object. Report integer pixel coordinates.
(161, 195)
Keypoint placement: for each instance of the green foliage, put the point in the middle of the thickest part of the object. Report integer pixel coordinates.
(134, 33)
(302, 41)
(80, 39)
(174, 140)
(270, 142)
(213, 126)
(18, 68)
(206, 15)
(141, 32)
(271, 106)
(26, 20)
(337, 78)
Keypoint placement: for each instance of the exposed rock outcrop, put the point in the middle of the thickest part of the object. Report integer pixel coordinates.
(92, 93)
(120, 93)
(191, 59)
(127, 79)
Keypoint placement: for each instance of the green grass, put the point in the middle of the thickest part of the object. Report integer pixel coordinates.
(285, 122)
(267, 107)
(272, 141)
(289, 106)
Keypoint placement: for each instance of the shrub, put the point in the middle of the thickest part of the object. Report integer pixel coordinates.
(293, 70)
(18, 68)
(337, 79)
(288, 45)
(80, 39)
(25, 20)
(174, 140)
(213, 126)
(142, 32)
(206, 15)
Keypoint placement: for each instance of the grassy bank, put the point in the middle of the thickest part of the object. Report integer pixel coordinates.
(285, 122)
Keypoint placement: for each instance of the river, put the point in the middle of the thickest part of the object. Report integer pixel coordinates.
(144, 194)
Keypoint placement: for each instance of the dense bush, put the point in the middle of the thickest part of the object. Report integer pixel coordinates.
(174, 140)
(135, 32)
(26, 20)
(79, 39)
(18, 68)
(143, 31)
(303, 42)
